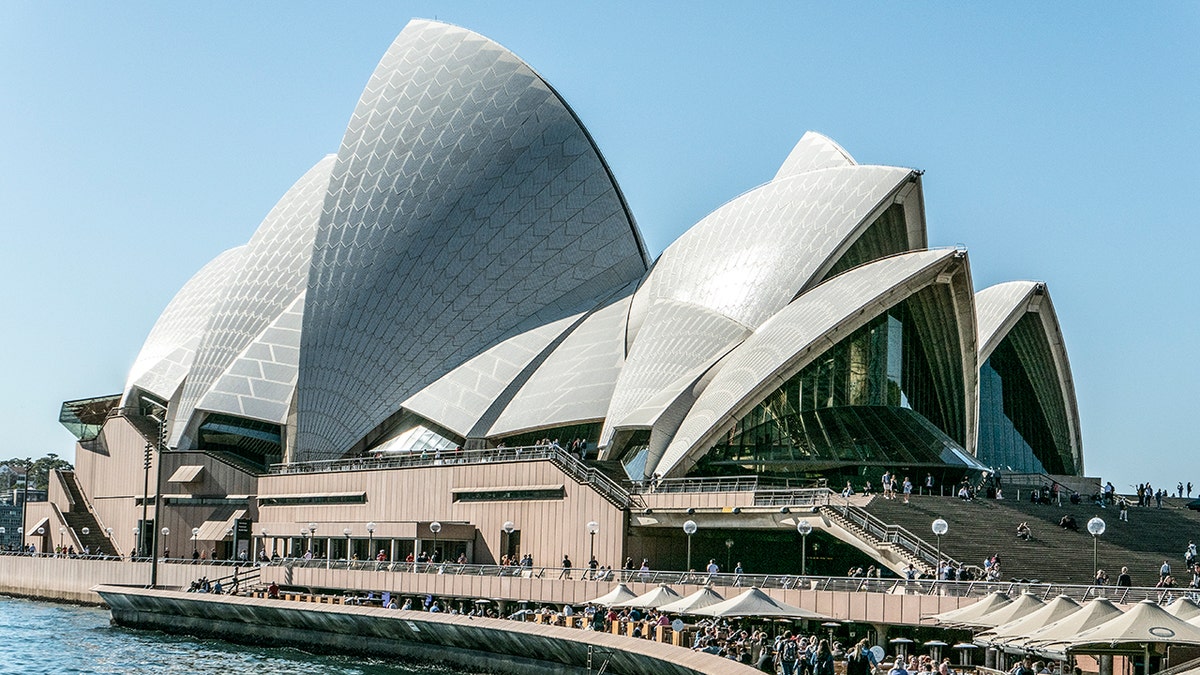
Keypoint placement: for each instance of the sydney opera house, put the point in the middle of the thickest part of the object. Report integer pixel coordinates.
(463, 281)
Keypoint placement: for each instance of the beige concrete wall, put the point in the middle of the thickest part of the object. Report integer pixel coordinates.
(112, 477)
(398, 497)
(72, 579)
(34, 512)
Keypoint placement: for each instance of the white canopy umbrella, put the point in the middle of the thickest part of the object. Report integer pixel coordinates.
(988, 603)
(698, 600)
(619, 593)
(652, 600)
(1092, 614)
(1021, 607)
(756, 603)
(1184, 608)
(1145, 623)
(1058, 608)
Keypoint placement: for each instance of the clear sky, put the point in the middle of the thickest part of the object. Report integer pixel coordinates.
(1059, 140)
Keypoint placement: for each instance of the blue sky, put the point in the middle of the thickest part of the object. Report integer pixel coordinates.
(1059, 142)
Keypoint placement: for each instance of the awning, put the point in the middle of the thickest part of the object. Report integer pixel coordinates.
(214, 530)
(186, 473)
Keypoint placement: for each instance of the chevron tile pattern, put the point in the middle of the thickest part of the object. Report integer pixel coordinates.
(273, 273)
(466, 199)
(170, 349)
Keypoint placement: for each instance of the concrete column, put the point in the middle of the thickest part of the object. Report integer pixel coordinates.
(990, 657)
(881, 633)
(1106, 664)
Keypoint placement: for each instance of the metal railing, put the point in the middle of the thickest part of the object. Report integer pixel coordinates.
(749, 483)
(570, 465)
(896, 535)
(803, 497)
(863, 584)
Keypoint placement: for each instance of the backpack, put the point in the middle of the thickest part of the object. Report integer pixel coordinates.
(788, 653)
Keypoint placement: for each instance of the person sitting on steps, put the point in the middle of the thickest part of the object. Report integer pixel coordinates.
(1023, 531)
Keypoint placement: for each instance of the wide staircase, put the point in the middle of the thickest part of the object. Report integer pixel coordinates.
(983, 528)
(79, 517)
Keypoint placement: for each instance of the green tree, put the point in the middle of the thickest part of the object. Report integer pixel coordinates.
(38, 470)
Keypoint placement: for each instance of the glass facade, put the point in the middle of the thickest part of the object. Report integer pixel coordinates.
(891, 392)
(259, 443)
(888, 235)
(1022, 417)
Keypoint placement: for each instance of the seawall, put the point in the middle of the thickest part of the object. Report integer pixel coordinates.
(478, 644)
(72, 579)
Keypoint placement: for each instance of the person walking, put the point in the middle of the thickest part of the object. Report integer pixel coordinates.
(788, 653)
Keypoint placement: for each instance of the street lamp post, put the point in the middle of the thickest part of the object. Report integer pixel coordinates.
(347, 533)
(303, 531)
(1096, 527)
(137, 540)
(21, 537)
(312, 532)
(804, 528)
(509, 527)
(940, 527)
(231, 534)
(434, 527)
(728, 555)
(689, 528)
(2, 533)
(371, 539)
(592, 527)
(62, 540)
(195, 549)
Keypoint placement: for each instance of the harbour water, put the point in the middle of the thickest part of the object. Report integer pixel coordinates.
(39, 637)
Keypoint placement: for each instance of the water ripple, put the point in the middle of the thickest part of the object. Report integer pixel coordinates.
(38, 637)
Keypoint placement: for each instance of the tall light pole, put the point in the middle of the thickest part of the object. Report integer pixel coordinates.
(21, 537)
(371, 539)
(728, 555)
(136, 540)
(312, 532)
(592, 527)
(689, 528)
(1096, 527)
(434, 527)
(162, 446)
(804, 528)
(195, 549)
(940, 527)
(347, 533)
(303, 531)
(166, 531)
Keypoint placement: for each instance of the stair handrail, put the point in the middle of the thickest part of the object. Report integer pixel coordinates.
(925, 553)
(87, 505)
